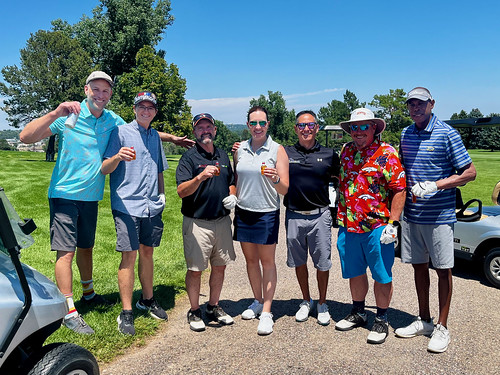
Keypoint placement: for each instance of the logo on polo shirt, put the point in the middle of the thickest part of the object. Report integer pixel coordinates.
(430, 148)
(319, 159)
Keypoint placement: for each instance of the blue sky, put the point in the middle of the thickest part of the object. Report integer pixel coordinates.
(232, 51)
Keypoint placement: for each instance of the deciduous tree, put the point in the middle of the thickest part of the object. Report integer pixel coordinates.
(53, 69)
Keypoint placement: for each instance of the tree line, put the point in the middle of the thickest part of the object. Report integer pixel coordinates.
(120, 38)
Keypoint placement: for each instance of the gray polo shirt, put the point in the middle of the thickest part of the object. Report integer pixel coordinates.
(134, 184)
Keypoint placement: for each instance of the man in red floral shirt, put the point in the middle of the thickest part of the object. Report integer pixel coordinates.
(372, 196)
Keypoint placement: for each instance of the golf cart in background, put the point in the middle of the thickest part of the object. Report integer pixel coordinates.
(477, 231)
(31, 309)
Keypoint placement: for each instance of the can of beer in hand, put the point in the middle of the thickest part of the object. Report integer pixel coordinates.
(71, 120)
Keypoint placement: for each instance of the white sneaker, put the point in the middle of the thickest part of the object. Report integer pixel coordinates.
(266, 324)
(304, 310)
(417, 328)
(439, 340)
(254, 310)
(323, 314)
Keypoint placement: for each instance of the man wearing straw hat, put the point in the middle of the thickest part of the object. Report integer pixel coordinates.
(372, 194)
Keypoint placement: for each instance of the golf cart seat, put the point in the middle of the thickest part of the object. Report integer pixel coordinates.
(465, 212)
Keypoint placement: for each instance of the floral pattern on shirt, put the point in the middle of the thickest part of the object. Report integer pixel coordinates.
(368, 180)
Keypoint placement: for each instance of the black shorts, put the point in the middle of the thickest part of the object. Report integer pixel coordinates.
(72, 224)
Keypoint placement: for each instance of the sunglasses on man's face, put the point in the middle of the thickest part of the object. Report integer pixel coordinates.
(261, 123)
(302, 125)
(361, 127)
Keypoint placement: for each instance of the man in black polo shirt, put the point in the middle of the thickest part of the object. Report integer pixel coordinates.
(205, 182)
(308, 219)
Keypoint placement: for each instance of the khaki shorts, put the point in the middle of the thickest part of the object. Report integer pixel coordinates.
(206, 240)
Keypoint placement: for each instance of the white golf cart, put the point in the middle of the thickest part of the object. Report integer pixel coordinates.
(477, 231)
(31, 309)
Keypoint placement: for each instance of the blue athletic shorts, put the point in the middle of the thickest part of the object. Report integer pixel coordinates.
(358, 251)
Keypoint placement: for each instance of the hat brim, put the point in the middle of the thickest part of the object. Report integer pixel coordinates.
(378, 121)
(146, 100)
(419, 97)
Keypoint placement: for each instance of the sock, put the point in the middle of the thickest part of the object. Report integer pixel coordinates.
(71, 306)
(359, 306)
(382, 313)
(210, 307)
(427, 320)
(88, 289)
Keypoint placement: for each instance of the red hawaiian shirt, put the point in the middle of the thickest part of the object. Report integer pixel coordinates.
(368, 180)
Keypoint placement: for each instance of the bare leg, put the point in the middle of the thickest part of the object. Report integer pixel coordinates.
(359, 287)
(251, 254)
(269, 274)
(63, 271)
(322, 277)
(383, 294)
(126, 277)
(216, 282)
(445, 286)
(146, 270)
(303, 279)
(422, 284)
(193, 281)
(84, 262)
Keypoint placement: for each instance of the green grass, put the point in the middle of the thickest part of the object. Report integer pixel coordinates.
(25, 176)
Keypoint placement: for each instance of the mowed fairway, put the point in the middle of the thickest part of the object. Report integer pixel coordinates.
(25, 176)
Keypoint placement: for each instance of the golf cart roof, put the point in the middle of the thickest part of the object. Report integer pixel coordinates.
(483, 122)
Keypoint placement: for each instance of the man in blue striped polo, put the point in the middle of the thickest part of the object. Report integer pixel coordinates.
(436, 162)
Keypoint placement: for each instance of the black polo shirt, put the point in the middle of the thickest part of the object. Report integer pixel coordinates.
(206, 201)
(310, 174)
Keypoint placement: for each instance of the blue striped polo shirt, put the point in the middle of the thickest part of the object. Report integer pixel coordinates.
(432, 154)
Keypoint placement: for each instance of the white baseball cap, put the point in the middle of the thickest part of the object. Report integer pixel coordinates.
(420, 93)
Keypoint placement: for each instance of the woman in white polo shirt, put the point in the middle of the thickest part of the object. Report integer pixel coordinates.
(261, 167)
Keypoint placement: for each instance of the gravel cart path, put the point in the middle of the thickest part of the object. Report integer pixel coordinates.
(308, 348)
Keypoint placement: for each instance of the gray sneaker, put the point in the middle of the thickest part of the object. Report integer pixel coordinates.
(126, 323)
(217, 314)
(78, 325)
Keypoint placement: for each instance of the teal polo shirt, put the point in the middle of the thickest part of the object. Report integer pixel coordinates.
(77, 173)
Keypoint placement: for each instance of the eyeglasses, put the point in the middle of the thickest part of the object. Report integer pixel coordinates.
(261, 123)
(302, 125)
(361, 127)
(143, 108)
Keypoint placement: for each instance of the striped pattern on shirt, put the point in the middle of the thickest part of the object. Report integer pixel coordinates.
(432, 154)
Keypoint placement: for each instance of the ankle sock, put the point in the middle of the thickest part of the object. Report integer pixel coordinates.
(382, 313)
(71, 306)
(88, 289)
(359, 306)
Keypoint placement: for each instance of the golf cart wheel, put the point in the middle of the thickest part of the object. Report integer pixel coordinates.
(65, 359)
(492, 266)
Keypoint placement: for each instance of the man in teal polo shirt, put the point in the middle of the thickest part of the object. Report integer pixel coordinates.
(77, 185)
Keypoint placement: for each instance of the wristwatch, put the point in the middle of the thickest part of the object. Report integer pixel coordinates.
(277, 181)
(394, 222)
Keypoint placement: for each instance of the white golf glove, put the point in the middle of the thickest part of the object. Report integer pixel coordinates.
(420, 189)
(162, 198)
(230, 202)
(389, 234)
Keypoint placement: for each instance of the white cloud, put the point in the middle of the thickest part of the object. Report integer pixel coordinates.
(233, 110)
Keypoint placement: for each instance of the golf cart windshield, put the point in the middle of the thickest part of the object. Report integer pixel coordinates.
(15, 222)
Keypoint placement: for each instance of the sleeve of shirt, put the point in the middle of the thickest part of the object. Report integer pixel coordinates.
(114, 144)
(184, 171)
(57, 126)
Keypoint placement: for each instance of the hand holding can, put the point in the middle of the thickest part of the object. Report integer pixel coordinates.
(71, 120)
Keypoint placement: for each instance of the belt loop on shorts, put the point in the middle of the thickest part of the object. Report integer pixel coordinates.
(316, 211)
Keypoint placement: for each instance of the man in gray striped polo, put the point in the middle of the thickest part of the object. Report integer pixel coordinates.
(436, 162)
